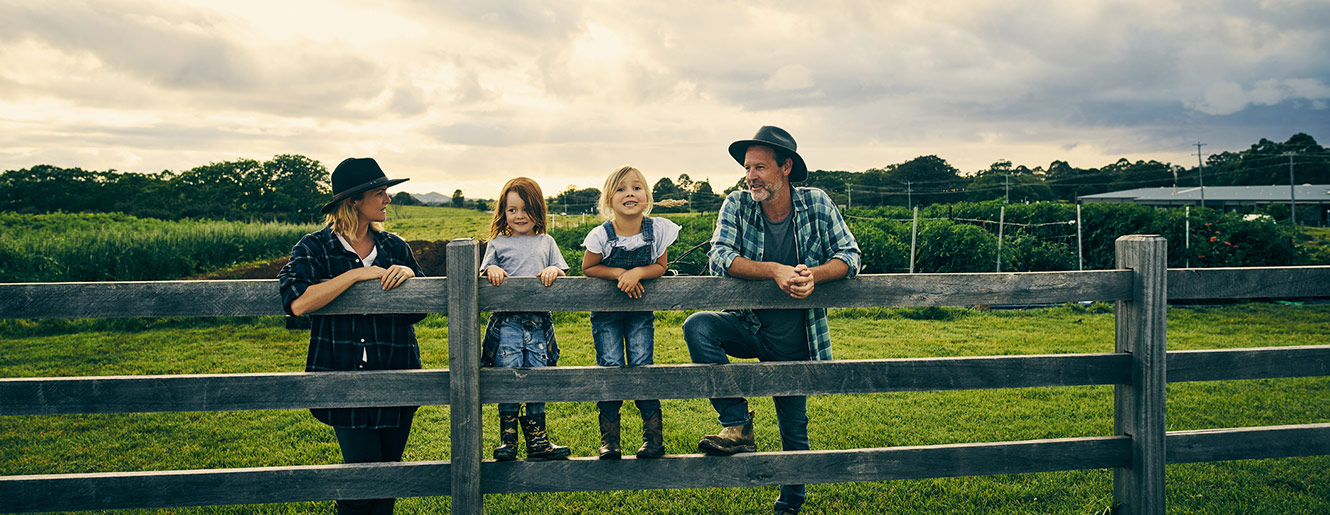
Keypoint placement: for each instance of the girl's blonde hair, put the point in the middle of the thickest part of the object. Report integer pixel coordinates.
(612, 183)
(344, 218)
(530, 194)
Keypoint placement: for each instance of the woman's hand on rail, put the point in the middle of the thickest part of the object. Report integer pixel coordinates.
(395, 275)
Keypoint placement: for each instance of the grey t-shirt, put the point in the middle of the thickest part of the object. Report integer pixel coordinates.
(784, 331)
(523, 256)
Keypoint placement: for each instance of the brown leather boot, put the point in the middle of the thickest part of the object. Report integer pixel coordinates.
(731, 440)
(507, 449)
(609, 439)
(538, 445)
(653, 437)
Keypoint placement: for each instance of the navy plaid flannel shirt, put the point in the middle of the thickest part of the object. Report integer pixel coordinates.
(821, 235)
(338, 342)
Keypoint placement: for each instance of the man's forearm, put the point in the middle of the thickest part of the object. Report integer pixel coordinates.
(830, 271)
(744, 268)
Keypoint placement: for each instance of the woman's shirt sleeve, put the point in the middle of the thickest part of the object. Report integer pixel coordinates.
(301, 272)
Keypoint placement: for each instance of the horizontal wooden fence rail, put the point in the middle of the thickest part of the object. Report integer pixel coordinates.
(299, 390)
(1248, 283)
(249, 297)
(867, 290)
(222, 392)
(167, 489)
(212, 487)
(429, 294)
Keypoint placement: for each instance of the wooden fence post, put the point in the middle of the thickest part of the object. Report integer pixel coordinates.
(464, 375)
(1139, 406)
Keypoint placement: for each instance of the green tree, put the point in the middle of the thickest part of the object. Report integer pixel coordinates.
(458, 199)
(1002, 181)
(703, 198)
(293, 188)
(926, 180)
(405, 199)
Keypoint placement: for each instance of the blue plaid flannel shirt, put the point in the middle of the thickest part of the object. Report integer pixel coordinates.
(820, 236)
(340, 342)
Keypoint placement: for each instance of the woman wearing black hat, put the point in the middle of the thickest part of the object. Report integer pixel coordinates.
(353, 248)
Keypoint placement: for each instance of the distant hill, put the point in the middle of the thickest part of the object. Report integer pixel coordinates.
(433, 197)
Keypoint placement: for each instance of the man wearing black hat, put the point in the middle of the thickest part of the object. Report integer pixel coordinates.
(795, 237)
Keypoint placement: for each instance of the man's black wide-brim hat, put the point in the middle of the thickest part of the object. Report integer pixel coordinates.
(357, 175)
(776, 137)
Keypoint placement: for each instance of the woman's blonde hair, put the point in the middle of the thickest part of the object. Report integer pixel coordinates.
(529, 192)
(612, 183)
(344, 218)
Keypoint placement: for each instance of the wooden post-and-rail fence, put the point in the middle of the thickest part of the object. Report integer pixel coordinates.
(1139, 368)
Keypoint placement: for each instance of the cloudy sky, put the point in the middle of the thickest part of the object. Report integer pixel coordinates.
(467, 94)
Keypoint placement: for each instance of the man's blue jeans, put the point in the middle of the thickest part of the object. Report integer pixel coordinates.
(615, 331)
(712, 337)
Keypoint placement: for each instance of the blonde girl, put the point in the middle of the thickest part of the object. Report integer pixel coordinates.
(628, 248)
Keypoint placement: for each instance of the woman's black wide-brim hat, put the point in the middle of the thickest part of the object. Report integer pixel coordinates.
(773, 136)
(357, 175)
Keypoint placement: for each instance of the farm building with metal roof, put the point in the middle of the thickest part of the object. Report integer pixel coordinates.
(1228, 198)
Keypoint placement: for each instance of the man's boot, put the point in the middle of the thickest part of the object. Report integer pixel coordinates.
(538, 445)
(653, 438)
(609, 439)
(507, 449)
(731, 440)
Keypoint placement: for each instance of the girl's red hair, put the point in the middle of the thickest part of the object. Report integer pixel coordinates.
(531, 195)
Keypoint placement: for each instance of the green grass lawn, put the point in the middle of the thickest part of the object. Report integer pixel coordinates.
(103, 443)
(437, 223)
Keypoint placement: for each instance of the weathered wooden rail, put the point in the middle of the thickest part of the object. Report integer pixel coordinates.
(1139, 368)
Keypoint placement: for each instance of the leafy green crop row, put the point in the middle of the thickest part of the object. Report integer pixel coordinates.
(116, 247)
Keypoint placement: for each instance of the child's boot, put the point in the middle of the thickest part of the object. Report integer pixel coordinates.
(507, 449)
(609, 439)
(653, 438)
(538, 445)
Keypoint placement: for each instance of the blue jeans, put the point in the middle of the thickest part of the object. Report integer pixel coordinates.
(613, 332)
(714, 336)
(521, 344)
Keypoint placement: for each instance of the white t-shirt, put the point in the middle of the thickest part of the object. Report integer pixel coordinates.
(664, 231)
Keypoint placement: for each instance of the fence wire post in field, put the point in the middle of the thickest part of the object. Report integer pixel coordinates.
(914, 236)
(1187, 238)
(1080, 253)
(464, 375)
(1002, 218)
(1138, 407)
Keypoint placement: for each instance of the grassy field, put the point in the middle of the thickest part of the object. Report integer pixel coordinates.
(101, 443)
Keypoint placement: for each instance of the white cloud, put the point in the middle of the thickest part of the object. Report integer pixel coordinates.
(459, 93)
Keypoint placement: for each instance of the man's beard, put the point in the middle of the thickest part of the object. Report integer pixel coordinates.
(763, 195)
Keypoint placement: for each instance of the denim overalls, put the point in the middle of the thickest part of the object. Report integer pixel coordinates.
(615, 331)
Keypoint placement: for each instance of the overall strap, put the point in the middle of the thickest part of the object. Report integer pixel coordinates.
(609, 231)
(647, 234)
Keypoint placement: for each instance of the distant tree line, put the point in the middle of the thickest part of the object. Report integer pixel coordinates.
(930, 180)
(288, 188)
(292, 188)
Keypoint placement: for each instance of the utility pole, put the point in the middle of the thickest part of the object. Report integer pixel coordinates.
(909, 195)
(849, 195)
(1200, 171)
(1292, 193)
(1006, 195)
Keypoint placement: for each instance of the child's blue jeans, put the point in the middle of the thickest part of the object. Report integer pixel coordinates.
(613, 332)
(521, 344)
